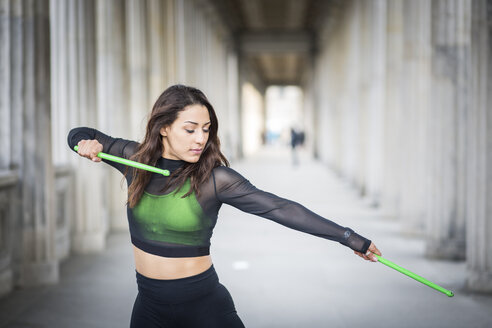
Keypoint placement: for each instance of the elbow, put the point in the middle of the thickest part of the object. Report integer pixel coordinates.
(77, 134)
(70, 137)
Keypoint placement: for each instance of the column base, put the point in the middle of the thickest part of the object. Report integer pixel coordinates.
(35, 274)
(446, 250)
(92, 242)
(6, 282)
(479, 281)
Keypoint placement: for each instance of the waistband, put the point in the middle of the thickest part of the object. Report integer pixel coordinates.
(174, 291)
(174, 250)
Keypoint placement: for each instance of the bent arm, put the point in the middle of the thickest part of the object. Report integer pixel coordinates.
(114, 146)
(234, 189)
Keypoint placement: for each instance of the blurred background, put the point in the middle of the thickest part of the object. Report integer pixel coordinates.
(376, 112)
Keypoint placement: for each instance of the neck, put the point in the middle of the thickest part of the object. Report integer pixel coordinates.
(170, 164)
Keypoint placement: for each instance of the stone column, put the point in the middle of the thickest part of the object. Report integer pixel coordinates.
(169, 14)
(5, 17)
(113, 98)
(203, 39)
(60, 81)
(364, 87)
(479, 170)
(90, 222)
(179, 40)
(407, 131)
(217, 40)
(310, 98)
(417, 222)
(60, 126)
(16, 79)
(8, 211)
(157, 48)
(230, 137)
(189, 25)
(333, 87)
(391, 195)
(11, 248)
(6, 282)
(315, 88)
(415, 85)
(38, 262)
(138, 65)
(242, 78)
(376, 77)
(350, 99)
(450, 55)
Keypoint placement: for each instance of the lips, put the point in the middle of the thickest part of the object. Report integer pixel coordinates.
(197, 151)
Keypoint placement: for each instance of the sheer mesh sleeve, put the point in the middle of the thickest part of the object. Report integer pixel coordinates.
(114, 146)
(233, 189)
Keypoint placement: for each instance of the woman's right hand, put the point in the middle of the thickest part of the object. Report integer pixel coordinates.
(369, 256)
(90, 149)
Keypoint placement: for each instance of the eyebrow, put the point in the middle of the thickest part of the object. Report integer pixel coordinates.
(196, 122)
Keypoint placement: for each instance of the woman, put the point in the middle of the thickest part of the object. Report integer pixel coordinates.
(171, 218)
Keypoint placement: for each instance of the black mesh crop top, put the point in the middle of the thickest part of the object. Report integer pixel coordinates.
(167, 225)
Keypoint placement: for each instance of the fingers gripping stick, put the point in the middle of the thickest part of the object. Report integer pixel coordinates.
(128, 162)
(414, 276)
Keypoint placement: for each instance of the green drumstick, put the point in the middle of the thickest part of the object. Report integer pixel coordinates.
(130, 163)
(414, 276)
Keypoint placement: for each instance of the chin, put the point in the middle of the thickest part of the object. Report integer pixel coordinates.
(192, 159)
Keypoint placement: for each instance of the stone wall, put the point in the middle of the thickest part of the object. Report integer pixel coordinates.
(27, 187)
(97, 63)
(404, 116)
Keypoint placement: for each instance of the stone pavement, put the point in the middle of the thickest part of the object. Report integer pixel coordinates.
(278, 277)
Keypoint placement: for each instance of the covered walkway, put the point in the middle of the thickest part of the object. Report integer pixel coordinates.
(395, 99)
(278, 277)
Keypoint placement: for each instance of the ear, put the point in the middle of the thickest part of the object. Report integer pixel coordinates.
(163, 132)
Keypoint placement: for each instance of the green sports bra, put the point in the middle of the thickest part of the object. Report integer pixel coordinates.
(171, 218)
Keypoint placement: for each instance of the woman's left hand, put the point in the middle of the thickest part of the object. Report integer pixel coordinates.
(369, 255)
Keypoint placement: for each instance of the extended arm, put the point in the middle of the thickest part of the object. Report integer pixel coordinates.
(234, 189)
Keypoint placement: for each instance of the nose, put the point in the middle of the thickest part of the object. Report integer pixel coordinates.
(200, 138)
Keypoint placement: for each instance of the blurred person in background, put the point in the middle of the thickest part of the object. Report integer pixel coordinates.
(296, 140)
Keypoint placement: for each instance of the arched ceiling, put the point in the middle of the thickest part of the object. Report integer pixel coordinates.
(276, 37)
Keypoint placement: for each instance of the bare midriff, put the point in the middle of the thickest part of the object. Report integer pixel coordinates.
(159, 267)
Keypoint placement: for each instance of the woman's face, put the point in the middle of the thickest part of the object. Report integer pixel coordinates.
(187, 136)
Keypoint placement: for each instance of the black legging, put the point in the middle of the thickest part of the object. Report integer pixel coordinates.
(196, 301)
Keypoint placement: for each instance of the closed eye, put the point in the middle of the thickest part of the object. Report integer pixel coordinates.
(192, 131)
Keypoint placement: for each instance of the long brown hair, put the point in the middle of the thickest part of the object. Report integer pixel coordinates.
(165, 111)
